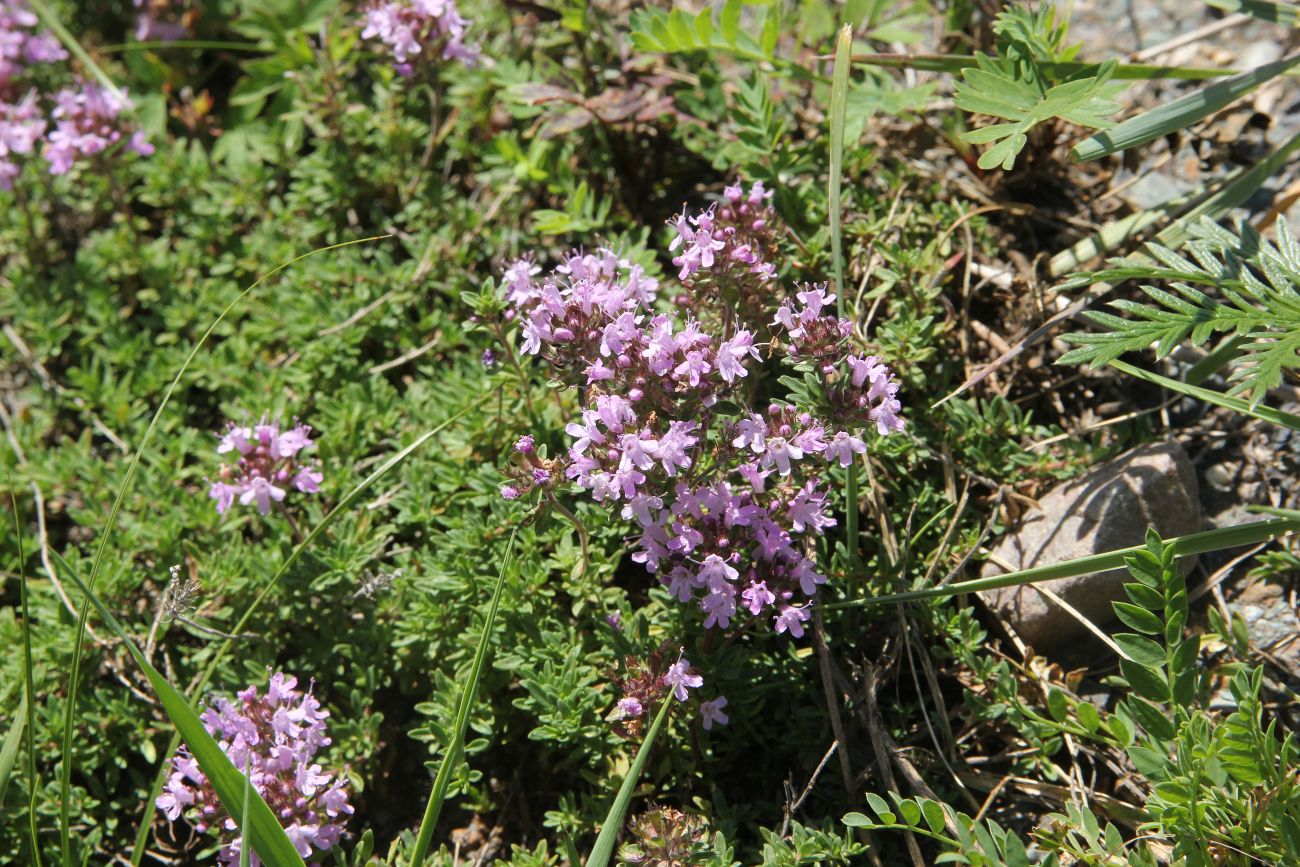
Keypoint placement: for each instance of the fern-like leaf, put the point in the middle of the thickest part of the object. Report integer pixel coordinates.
(1250, 288)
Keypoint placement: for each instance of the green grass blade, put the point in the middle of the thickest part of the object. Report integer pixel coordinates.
(65, 777)
(452, 756)
(1179, 114)
(50, 20)
(214, 44)
(1194, 543)
(13, 742)
(604, 848)
(1278, 13)
(955, 63)
(1115, 234)
(142, 835)
(839, 108)
(246, 852)
(28, 711)
(1236, 404)
(261, 829)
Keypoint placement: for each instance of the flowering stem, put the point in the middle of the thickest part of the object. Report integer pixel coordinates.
(577, 525)
(293, 525)
(519, 372)
(839, 107)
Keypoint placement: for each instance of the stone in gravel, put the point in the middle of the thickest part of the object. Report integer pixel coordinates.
(1109, 507)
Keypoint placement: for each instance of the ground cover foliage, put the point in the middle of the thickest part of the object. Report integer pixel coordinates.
(398, 472)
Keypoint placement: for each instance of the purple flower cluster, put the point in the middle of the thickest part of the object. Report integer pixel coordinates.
(21, 127)
(644, 685)
(268, 462)
(420, 30)
(85, 119)
(726, 501)
(272, 737)
(156, 21)
(21, 43)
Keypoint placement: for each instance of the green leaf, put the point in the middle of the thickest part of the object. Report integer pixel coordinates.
(1088, 715)
(1150, 763)
(1184, 658)
(1145, 682)
(933, 812)
(1141, 650)
(1057, 704)
(1007, 89)
(881, 808)
(1153, 720)
(262, 830)
(1145, 596)
(729, 21)
(1015, 853)
(1179, 114)
(1120, 729)
(838, 114)
(1139, 619)
(771, 29)
(857, 820)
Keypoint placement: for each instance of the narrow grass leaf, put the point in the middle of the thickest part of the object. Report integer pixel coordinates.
(13, 742)
(451, 757)
(955, 63)
(1179, 114)
(839, 109)
(1265, 10)
(29, 679)
(51, 20)
(1236, 404)
(1193, 543)
(603, 851)
(246, 852)
(260, 827)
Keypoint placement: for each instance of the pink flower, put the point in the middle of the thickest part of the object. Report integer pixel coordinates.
(711, 712)
(791, 619)
(678, 678)
(267, 463)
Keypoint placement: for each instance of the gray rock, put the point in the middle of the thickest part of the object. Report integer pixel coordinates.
(1109, 507)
